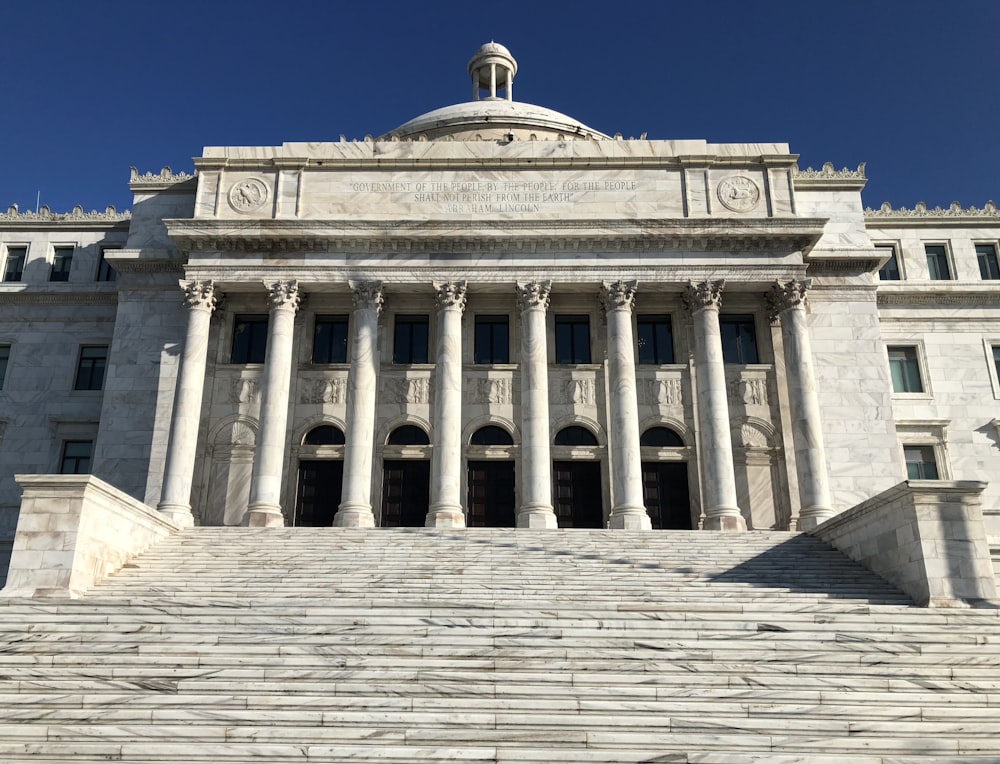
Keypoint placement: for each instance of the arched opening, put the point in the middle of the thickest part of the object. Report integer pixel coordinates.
(324, 435)
(491, 492)
(320, 478)
(491, 435)
(575, 436)
(406, 478)
(665, 479)
(408, 435)
(577, 491)
(661, 437)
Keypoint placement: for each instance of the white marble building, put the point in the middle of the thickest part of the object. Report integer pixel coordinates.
(495, 315)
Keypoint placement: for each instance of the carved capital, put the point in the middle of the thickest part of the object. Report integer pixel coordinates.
(367, 295)
(533, 294)
(707, 294)
(450, 294)
(200, 294)
(283, 294)
(786, 294)
(617, 295)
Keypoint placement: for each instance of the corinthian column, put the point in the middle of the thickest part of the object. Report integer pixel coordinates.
(536, 461)
(628, 509)
(200, 297)
(355, 509)
(787, 302)
(265, 485)
(446, 456)
(715, 447)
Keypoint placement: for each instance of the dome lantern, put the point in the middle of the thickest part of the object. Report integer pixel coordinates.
(492, 69)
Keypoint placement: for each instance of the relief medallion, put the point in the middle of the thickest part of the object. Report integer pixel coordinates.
(739, 194)
(248, 195)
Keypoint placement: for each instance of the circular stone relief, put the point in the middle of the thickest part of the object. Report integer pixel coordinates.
(738, 193)
(248, 195)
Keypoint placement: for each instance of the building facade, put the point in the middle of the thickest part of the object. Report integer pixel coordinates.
(496, 315)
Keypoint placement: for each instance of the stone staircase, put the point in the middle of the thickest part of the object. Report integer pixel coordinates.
(330, 645)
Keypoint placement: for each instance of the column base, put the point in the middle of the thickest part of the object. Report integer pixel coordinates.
(179, 514)
(630, 519)
(446, 516)
(354, 516)
(265, 516)
(810, 517)
(537, 517)
(726, 519)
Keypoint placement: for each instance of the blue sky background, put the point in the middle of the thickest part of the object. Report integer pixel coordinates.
(89, 89)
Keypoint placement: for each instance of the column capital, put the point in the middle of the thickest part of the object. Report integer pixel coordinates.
(200, 294)
(707, 294)
(283, 294)
(533, 294)
(618, 295)
(367, 295)
(786, 294)
(450, 294)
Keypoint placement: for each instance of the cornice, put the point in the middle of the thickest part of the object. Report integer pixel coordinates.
(943, 296)
(829, 178)
(165, 180)
(148, 260)
(30, 294)
(920, 215)
(842, 266)
(77, 218)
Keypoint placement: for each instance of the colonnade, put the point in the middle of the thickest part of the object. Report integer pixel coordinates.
(787, 303)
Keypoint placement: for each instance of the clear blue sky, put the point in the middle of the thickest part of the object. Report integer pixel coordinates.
(90, 88)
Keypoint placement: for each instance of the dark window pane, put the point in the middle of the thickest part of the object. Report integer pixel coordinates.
(249, 339)
(575, 436)
(61, 261)
(905, 370)
(330, 340)
(889, 271)
(491, 435)
(739, 340)
(4, 361)
(90, 370)
(13, 267)
(76, 457)
(104, 270)
(324, 435)
(989, 269)
(492, 339)
(572, 339)
(408, 435)
(920, 463)
(662, 437)
(655, 339)
(937, 262)
(996, 360)
(410, 340)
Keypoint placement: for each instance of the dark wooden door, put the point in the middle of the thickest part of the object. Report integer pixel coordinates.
(318, 495)
(665, 491)
(406, 487)
(578, 502)
(491, 495)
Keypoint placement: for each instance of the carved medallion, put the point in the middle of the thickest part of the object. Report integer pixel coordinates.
(248, 195)
(739, 194)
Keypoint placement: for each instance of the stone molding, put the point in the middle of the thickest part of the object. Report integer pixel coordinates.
(104, 297)
(200, 294)
(828, 172)
(283, 294)
(165, 175)
(450, 294)
(785, 295)
(706, 294)
(618, 295)
(44, 214)
(533, 295)
(920, 210)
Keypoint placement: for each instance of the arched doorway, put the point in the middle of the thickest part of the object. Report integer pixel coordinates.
(491, 494)
(321, 476)
(665, 479)
(577, 491)
(406, 478)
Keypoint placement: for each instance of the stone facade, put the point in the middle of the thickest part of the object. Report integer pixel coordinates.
(497, 315)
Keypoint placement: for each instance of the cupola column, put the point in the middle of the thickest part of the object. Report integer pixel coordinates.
(715, 448)
(265, 484)
(200, 297)
(628, 509)
(787, 302)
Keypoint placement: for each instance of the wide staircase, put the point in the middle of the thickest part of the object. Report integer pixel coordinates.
(331, 645)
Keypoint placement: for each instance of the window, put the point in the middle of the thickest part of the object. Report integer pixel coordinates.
(572, 339)
(994, 348)
(408, 435)
(410, 340)
(920, 462)
(4, 360)
(739, 340)
(989, 268)
(324, 435)
(104, 270)
(574, 435)
(13, 267)
(61, 260)
(249, 339)
(656, 339)
(330, 340)
(661, 437)
(90, 370)
(890, 270)
(491, 435)
(904, 368)
(76, 457)
(492, 340)
(937, 262)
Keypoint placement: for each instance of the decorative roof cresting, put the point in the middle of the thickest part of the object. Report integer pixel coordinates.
(955, 209)
(828, 172)
(44, 213)
(166, 175)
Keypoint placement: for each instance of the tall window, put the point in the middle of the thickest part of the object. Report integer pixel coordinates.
(937, 262)
(13, 267)
(920, 462)
(572, 339)
(656, 339)
(989, 268)
(492, 339)
(905, 370)
(330, 340)
(249, 339)
(104, 270)
(739, 340)
(90, 369)
(5, 360)
(996, 360)
(61, 261)
(76, 457)
(410, 340)
(890, 270)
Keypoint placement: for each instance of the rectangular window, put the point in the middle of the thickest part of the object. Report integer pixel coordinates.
(13, 267)
(90, 370)
(249, 339)
(890, 270)
(330, 340)
(905, 370)
(996, 360)
(739, 339)
(61, 261)
(492, 340)
(410, 340)
(4, 360)
(920, 462)
(937, 262)
(104, 270)
(76, 457)
(572, 339)
(989, 268)
(655, 339)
